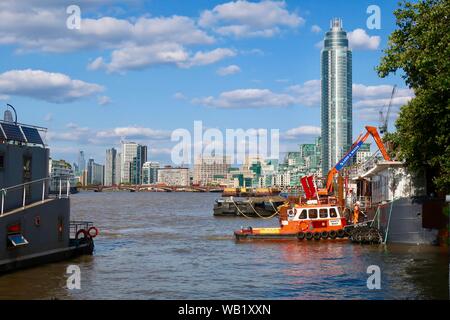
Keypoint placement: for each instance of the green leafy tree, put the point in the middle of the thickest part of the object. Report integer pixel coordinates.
(420, 49)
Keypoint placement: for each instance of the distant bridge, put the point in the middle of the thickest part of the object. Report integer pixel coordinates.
(151, 188)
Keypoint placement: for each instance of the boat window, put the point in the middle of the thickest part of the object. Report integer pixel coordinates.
(2, 161)
(16, 240)
(312, 213)
(333, 213)
(323, 213)
(303, 214)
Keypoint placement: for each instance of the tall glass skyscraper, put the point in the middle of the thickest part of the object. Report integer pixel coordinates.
(336, 68)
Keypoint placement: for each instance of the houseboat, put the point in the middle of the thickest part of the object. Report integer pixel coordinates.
(35, 226)
(399, 204)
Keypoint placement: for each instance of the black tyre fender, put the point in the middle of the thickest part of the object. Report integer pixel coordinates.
(301, 236)
(333, 234)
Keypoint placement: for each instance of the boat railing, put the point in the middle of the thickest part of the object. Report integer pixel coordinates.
(76, 226)
(28, 194)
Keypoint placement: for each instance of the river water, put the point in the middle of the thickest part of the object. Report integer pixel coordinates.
(169, 246)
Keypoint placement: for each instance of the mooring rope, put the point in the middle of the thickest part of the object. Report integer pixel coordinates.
(239, 210)
(389, 222)
(262, 217)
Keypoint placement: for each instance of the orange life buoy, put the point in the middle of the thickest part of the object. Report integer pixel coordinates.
(93, 235)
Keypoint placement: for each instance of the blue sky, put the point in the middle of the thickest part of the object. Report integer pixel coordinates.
(138, 71)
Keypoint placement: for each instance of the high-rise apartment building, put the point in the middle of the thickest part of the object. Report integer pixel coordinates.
(336, 109)
(81, 163)
(363, 153)
(150, 172)
(112, 167)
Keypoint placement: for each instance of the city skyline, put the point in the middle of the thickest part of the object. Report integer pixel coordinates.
(228, 70)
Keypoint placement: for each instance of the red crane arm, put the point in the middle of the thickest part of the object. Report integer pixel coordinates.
(356, 145)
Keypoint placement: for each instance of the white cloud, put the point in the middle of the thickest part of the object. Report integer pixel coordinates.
(141, 57)
(160, 151)
(203, 58)
(97, 64)
(360, 40)
(179, 96)
(135, 43)
(295, 133)
(250, 19)
(316, 29)
(379, 103)
(43, 29)
(104, 100)
(48, 117)
(47, 86)
(379, 96)
(308, 93)
(84, 135)
(133, 132)
(229, 70)
(246, 98)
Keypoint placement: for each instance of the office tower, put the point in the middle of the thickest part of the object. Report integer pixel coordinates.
(111, 170)
(174, 176)
(138, 162)
(133, 158)
(118, 168)
(95, 173)
(129, 151)
(336, 109)
(207, 168)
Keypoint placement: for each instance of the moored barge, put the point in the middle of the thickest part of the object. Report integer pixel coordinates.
(35, 226)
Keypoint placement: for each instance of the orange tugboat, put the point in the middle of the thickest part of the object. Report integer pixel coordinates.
(311, 219)
(318, 215)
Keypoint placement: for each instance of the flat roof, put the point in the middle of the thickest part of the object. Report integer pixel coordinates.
(381, 166)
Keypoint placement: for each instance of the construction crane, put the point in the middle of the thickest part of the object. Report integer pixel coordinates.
(385, 118)
(353, 149)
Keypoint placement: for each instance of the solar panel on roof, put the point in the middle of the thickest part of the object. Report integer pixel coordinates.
(32, 135)
(13, 132)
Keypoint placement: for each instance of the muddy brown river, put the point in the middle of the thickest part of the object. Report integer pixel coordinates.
(169, 246)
